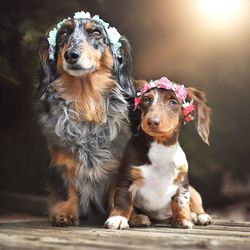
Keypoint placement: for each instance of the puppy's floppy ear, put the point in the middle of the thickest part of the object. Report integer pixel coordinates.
(123, 68)
(202, 112)
(47, 71)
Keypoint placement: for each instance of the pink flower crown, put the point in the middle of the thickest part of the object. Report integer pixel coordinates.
(179, 90)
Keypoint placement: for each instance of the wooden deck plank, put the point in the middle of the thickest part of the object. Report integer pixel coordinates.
(38, 234)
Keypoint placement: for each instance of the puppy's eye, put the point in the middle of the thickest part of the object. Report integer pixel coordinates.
(146, 100)
(173, 102)
(96, 33)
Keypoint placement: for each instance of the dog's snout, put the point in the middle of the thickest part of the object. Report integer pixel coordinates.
(72, 56)
(153, 123)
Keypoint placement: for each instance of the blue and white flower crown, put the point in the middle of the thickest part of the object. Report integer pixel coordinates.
(112, 32)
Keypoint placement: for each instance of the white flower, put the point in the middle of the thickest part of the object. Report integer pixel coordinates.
(98, 19)
(82, 15)
(153, 84)
(52, 37)
(60, 24)
(116, 49)
(113, 35)
(187, 104)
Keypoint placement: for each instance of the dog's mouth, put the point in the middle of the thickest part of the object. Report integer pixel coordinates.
(78, 70)
(160, 135)
(157, 132)
(154, 132)
(78, 67)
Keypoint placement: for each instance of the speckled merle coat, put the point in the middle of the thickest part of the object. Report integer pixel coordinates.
(84, 112)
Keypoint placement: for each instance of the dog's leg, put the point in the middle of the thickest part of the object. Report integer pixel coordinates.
(124, 196)
(111, 194)
(64, 212)
(122, 208)
(140, 220)
(199, 216)
(180, 208)
(63, 201)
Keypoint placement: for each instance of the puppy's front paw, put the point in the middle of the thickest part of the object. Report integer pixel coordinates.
(139, 220)
(204, 219)
(182, 223)
(194, 217)
(116, 222)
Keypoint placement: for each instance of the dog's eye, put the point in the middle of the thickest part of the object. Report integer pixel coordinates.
(173, 102)
(63, 34)
(96, 33)
(146, 100)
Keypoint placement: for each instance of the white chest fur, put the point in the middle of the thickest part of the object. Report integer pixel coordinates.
(154, 196)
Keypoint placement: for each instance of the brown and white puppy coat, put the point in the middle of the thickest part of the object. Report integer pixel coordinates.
(154, 171)
(84, 99)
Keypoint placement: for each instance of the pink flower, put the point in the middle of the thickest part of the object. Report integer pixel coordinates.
(188, 109)
(164, 80)
(137, 102)
(181, 92)
(146, 87)
(164, 85)
(187, 119)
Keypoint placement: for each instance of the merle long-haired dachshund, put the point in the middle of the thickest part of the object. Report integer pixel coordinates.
(84, 99)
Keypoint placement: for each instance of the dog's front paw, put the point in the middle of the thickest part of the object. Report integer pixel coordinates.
(182, 223)
(204, 219)
(116, 222)
(64, 220)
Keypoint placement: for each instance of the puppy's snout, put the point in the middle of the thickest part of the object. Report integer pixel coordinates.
(153, 123)
(72, 56)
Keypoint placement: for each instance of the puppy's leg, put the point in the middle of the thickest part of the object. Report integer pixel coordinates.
(180, 208)
(198, 214)
(122, 208)
(140, 220)
(63, 200)
(130, 180)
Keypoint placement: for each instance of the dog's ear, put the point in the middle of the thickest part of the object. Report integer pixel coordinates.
(202, 112)
(123, 68)
(47, 72)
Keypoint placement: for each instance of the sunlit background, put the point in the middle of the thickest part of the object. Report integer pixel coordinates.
(200, 43)
(221, 10)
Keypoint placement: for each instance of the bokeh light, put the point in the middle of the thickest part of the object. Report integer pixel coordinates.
(221, 10)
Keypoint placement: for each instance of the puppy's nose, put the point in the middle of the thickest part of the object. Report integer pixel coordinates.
(153, 123)
(72, 56)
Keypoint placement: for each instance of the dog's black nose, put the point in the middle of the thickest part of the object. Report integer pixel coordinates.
(153, 123)
(72, 56)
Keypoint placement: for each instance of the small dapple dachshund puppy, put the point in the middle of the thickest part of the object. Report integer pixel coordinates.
(85, 93)
(154, 170)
